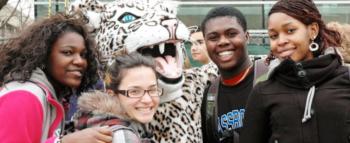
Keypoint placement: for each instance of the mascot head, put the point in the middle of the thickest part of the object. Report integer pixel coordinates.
(146, 26)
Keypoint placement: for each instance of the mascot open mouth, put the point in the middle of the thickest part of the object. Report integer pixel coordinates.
(167, 57)
(159, 50)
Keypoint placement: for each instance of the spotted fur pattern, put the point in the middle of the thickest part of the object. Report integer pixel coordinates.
(129, 25)
(179, 121)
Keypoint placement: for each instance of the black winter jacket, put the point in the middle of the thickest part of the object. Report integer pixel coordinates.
(276, 107)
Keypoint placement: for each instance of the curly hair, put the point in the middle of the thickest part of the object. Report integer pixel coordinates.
(306, 12)
(20, 56)
(344, 30)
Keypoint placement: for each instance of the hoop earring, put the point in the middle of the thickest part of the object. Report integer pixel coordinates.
(313, 46)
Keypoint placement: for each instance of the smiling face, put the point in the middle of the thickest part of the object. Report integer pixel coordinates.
(140, 109)
(198, 48)
(67, 62)
(226, 41)
(290, 38)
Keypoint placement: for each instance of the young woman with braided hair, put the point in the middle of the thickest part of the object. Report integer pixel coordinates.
(306, 97)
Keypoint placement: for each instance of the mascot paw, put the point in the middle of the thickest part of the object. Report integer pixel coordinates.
(168, 67)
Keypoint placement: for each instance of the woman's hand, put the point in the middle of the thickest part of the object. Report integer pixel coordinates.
(89, 135)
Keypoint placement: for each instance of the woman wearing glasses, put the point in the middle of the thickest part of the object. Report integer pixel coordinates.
(132, 99)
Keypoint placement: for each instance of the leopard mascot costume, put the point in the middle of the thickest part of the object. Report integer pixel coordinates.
(151, 28)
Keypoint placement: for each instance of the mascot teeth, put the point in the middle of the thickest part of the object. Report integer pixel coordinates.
(161, 48)
(178, 44)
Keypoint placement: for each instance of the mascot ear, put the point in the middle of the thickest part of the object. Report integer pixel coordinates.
(92, 11)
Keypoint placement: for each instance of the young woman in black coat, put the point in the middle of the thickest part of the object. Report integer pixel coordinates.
(306, 98)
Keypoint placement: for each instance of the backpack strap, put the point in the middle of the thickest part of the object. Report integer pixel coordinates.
(48, 99)
(211, 119)
(208, 109)
(122, 133)
(117, 127)
(213, 98)
(53, 108)
(260, 71)
(45, 104)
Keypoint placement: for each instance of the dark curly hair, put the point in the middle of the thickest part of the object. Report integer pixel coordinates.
(20, 56)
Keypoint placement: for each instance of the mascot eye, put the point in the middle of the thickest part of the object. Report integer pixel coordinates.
(127, 17)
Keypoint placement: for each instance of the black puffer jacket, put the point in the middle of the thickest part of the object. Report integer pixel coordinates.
(275, 110)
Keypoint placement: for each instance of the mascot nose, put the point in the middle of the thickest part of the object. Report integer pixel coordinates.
(171, 26)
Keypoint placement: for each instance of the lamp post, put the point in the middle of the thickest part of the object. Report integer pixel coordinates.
(49, 9)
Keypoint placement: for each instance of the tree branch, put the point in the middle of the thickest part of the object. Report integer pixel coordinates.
(3, 22)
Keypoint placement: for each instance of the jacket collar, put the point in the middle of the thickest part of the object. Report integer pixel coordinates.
(305, 74)
(39, 76)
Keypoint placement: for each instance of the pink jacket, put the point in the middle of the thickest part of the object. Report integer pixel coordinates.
(29, 111)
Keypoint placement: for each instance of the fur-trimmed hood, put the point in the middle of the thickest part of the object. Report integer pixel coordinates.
(96, 106)
(99, 102)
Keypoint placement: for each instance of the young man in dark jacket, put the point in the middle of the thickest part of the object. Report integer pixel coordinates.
(225, 34)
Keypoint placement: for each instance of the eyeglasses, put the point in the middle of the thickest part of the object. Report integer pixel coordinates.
(138, 93)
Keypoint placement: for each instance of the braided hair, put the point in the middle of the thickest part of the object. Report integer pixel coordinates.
(306, 12)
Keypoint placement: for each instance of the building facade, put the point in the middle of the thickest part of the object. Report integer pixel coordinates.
(191, 12)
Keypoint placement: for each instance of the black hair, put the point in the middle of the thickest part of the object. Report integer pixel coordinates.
(222, 11)
(194, 29)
